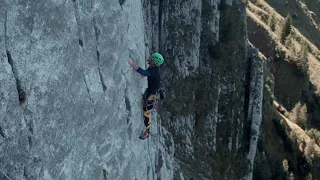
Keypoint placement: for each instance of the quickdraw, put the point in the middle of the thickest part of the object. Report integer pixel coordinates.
(160, 94)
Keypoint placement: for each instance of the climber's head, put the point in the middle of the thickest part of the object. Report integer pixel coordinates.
(156, 59)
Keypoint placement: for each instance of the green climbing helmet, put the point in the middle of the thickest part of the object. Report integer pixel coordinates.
(157, 59)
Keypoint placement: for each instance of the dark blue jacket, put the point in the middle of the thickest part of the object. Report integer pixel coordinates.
(154, 78)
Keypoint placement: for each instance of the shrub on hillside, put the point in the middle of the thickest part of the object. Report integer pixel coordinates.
(286, 28)
(299, 115)
(315, 135)
(272, 22)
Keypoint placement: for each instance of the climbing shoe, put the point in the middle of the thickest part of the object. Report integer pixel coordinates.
(144, 135)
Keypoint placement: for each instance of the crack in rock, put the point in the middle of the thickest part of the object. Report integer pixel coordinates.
(30, 127)
(104, 87)
(21, 92)
(77, 16)
(105, 174)
(128, 106)
(25, 174)
(81, 42)
(121, 2)
(30, 141)
(90, 98)
(2, 133)
(97, 33)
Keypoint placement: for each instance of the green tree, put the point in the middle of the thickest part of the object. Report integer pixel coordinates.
(287, 27)
(272, 22)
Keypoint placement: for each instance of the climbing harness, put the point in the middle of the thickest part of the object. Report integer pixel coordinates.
(160, 94)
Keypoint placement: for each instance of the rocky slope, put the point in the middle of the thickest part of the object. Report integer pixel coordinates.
(292, 81)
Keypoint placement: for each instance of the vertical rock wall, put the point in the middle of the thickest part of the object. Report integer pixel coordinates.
(255, 105)
(205, 75)
(70, 103)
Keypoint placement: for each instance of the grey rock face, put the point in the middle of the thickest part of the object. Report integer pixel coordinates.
(207, 83)
(70, 103)
(255, 105)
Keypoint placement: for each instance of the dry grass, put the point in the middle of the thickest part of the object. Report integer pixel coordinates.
(261, 12)
(273, 37)
(263, 15)
(306, 144)
(304, 41)
(314, 69)
(304, 21)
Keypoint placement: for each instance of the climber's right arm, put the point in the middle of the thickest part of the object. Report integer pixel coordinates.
(133, 64)
(143, 72)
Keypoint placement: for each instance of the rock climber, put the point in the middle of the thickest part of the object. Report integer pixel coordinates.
(150, 95)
